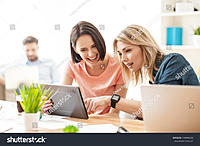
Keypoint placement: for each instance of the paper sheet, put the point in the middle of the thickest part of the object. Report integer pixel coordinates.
(103, 128)
(57, 122)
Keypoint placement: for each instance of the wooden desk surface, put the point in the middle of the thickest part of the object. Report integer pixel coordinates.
(130, 124)
(11, 116)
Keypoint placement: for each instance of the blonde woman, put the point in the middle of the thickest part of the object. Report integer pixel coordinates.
(140, 57)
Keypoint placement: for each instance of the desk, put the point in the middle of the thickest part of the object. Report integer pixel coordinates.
(10, 117)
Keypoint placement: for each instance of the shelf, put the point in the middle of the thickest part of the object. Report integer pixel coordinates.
(197, 13)
(183, 47)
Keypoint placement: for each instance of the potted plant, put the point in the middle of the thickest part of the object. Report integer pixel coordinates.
(33, 97)
(196, 36)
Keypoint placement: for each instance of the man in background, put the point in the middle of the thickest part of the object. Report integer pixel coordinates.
(46, 67)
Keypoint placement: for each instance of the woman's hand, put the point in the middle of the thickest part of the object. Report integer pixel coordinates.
(93, 104)
(46, 106)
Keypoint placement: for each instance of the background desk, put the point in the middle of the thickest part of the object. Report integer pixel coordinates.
(13, 123)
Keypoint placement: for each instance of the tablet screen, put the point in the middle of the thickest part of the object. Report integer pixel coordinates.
(67, 101)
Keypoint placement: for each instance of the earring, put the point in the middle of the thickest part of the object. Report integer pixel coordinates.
(146, 66)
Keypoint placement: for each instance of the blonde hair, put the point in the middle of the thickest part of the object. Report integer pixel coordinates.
(139, 36)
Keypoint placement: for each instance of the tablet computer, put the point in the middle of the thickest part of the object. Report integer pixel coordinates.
(67, 101)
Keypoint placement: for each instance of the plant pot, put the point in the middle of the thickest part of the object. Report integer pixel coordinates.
(196, 40)
(31, 121)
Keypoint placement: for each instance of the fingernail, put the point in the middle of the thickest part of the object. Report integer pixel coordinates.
(51, 101)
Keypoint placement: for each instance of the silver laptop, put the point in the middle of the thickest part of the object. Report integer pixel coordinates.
(67, 101)
(169, 108)
(21, 74)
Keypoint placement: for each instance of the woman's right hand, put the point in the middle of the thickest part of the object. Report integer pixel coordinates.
(46, 106)
(92, 104)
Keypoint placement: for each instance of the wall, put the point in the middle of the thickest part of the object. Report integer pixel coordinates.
(51, 21)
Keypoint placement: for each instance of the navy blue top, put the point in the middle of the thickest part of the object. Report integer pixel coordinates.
(174, 69)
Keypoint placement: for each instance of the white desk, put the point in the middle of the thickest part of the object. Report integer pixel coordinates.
(12, 122)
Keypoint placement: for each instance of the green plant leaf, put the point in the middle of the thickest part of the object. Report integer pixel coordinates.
(32, 97)
(23, 97)
(16, 93)
(70, 129)
(22, 105)
(47, 97)
(197, 31)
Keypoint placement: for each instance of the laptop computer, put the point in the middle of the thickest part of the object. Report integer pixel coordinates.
(21, 74)
(169, 108)
(67, 101)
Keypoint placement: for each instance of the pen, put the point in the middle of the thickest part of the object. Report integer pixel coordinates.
(6, 130)
(121, 129)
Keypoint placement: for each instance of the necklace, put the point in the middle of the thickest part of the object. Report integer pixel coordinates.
(102, 66)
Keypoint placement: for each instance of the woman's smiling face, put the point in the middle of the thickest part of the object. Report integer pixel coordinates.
(86, 48)
(130, 55)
